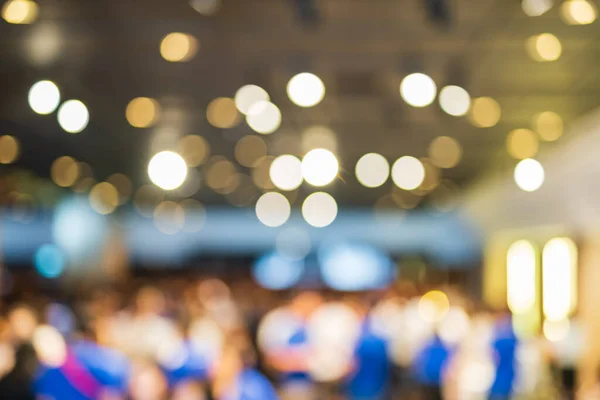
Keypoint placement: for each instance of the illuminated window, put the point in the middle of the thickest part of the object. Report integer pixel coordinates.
(559, 278)
(521, 277)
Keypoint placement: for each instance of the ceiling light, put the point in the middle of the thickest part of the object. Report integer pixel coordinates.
(44, 97)
(286, 172)
(529, 175)
(319, 167)
(319, 209)
(73, 116)
(167, 170)
(306, 90)
(372, 170)
(273, 209)
(455, 100)
(418, 90)
(408, 173)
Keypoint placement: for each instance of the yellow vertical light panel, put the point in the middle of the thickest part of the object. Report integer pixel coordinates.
(494, 273)
(522, 278)
(559, 278)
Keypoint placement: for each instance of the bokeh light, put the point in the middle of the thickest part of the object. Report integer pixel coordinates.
(195, 215)
(104, 198)
(123, 185)
(167, 170)
(20, 11)
(431, 179)
(64, 171)
(49, 346)
(49, 261)
(319, 137)
(206, 7)
(455, 100)
(273, 209)
(264, 117)
(522, 143)
(521, 277)
(146, 199)
(44, 97)
(548, 125)
(9, 149)
(293, 243)
(319, 209)
(405, 199)
(178, 47)
(261, 173)
(222, 113)
(544, 48)
(418, 90)
(434, 306)
(249, 150)
(319, 167)
(194, 150)
(222, 176)
(408, 173)
(529, 175)
(249, 95)
(485, 112)
(276, 272)
(535, 8)
(445, 152)
(455, 326)
(142, 112)
(578, 12)
(372, 170)
(169, 217)
(560, 278)
(286, 172)
(245, 193)
(306, 90)
(73, 116)
(557, 331)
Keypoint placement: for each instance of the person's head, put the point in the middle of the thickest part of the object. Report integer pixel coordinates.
(189, 390)
(22, 321)
(150, 300)
(147, 382)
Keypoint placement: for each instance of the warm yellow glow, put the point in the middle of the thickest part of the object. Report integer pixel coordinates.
(194, 150)
(578, 12)
(9, 149)
(418, 90)
(167, 170)
(522, 143)
(535, 8)
(548, 125)
(319, 167)
(169, 217)
(529, 175)
(142, 112)
(222, 176)
(245, 192)
(445, 152)
(559, 278)
(64, 171)
(123, 185)
(146, 199)
(543, 48)
(178, 47)
(195, 215)
(432, 177)
(104, 198)
(249, 95)
(372, 170)
(408, 173)
(20, 11)
(49, 346)
(455, 100)
(433, 306)
(250, 149)
(319, 137)
(206, 7)
(286, 172)
(222, 113)
(273, 209)
(319, 209)
(404, 199)
(261, 171)
(264, 117)
(557, 331)
(521, 277)
(485, 112)
(73, 116)
(44, 97)
(306, 90)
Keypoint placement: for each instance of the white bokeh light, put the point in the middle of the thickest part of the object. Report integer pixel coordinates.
(455, 100)
(273, 209)
(44, 97)
(264, 117)
(408, 173)
(73, 116)
(167, 170)
(535, 8)
(529, 175)
(286, 172)
(306, 90)
(319, 167)
(319, 209)
(418, 90)
(372, 170)
(248, 95)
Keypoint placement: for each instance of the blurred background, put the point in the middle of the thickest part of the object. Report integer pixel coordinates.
(299, 199)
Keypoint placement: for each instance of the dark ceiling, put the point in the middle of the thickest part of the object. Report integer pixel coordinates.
(106, 52)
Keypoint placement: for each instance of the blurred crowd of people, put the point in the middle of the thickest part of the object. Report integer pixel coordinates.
(205, 339)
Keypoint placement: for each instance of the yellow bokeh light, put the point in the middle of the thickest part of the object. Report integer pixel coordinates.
(522, 143)
(20, 11)
(44, 97)
(529, 175)
(167, 170)
(521, 277)
(445, 152)
(146, 199)
(408, 173)
(319, 137)
(455, 100)
(578, 12)
(206, 7)
(64, 171)
(273, 209)
(142, 112)
(104, 198)
(261, 173)
(264, 117)
(559, 278)
(319, 167)
(306, 90)
(372, 170)
(250, 149)
(543, 48)
(222, 176)
(73, 116)
(319, 209)
(178, 47)
(485, 112)
(432, 177)
(433, 306)
(169, 217)
(405, 199)
(418, 90)
(286, 172)
(548, 125)
(249, 95)
(222, 113)
(9, 149)
(535, 8)
(557, 331)
(194, 150)
(123, 185)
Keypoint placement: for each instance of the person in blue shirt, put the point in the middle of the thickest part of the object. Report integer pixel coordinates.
(505, 344)
(428, 367)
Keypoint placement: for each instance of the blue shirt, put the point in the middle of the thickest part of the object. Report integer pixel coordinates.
(430, 362)
(195, 366)
(372, 368)
(251, 385)
(505, 346)
(298, 340)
